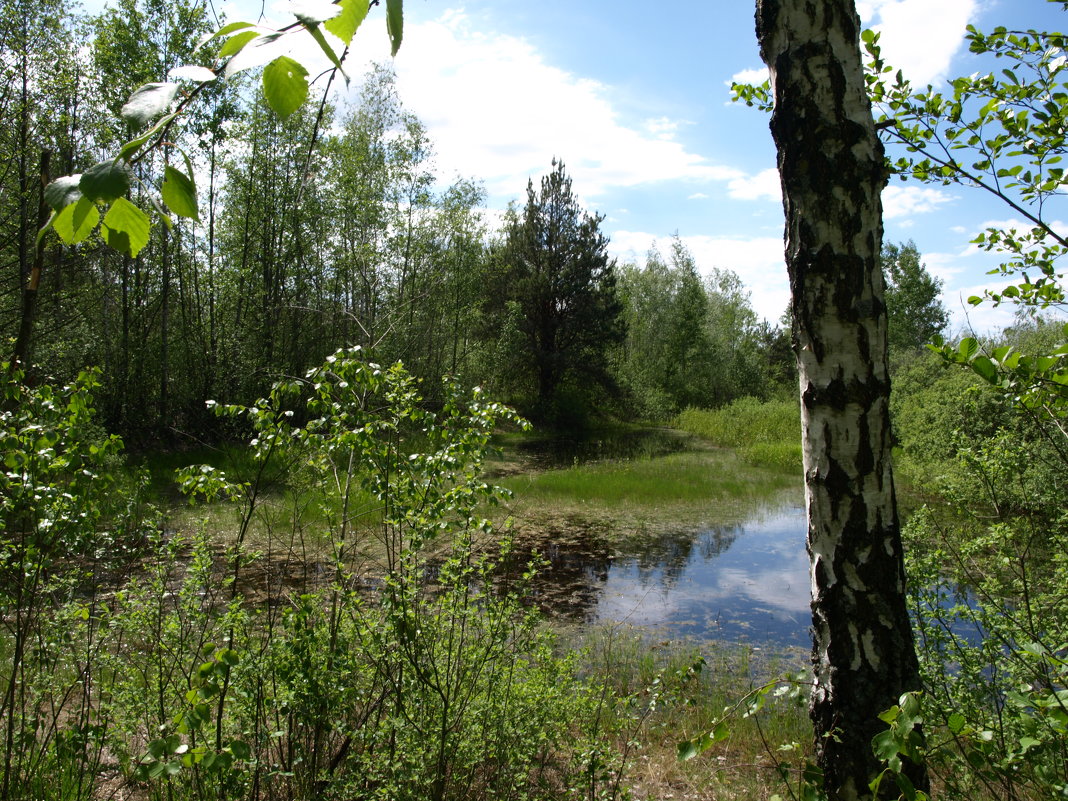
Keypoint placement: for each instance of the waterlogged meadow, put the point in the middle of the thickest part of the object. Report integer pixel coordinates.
(338, 615)
(675, 533)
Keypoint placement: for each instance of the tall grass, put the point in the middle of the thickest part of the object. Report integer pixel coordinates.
(765, 433)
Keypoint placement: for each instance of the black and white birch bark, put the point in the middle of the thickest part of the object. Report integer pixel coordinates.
(832, 172)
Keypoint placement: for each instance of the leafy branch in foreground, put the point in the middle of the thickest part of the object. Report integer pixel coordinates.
(76, 201)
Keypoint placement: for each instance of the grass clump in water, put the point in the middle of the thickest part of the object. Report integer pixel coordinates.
(765, 433)
(658, 692)
(677, 479)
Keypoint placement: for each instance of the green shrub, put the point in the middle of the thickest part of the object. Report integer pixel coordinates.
(397, 667)
(781, 455)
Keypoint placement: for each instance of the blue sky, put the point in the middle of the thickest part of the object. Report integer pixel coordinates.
(634, 97)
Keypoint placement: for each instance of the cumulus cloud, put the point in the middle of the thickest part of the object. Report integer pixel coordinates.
(757, 76)
(762, 186)
(905, 201)
(662, 127)
(495, 108)
(917, 36)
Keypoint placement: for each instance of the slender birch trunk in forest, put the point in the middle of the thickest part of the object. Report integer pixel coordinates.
(832, 171)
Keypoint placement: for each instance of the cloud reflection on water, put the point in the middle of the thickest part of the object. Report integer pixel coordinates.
(747, 582)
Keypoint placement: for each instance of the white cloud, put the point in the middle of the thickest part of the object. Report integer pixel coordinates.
(515, 112)
(945, 266)
(904, 201)
(662, 127)
(762, 186)
(759, 262)
(982, 319)
(919, 37)
(755, 76)
(698, 196)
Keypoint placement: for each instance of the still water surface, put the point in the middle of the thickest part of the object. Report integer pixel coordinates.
(745, 582)
(741, 583)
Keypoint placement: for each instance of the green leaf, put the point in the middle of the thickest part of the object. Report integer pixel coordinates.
(162, 212)
(179, 193)
(149, 101)
(956, 723)
(885, 747)
(904, 784)
(235, 44)
(105, 181)
(157, 769)
(395, 24)
(225, 30)
(285, 85)
(691, 748)
(260, 51)
(985, 368)
(191, 72)
(324, 45)
(76, 221)
(62, 192)
(240, 749)
(157, 748)
(125, 227)
(968, 347)
(42, 232)
(134, 145)
(345, 24)
(1027, 743)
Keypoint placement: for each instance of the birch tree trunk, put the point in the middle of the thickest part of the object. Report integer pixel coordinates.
(832, 172)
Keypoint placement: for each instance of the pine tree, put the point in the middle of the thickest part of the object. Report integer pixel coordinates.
(553, 266)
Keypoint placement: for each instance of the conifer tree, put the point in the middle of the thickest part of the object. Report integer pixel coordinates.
(553, 265)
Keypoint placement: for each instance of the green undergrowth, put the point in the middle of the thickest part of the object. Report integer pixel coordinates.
(170, 664)
(664, 690)
(764, 433)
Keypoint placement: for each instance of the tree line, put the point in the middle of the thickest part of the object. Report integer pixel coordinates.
(329, 228)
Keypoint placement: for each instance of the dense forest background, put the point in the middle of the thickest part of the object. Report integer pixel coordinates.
(333, 229)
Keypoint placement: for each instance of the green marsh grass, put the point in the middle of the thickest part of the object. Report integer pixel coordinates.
(666, 484)
(652, 697)
(764, 433)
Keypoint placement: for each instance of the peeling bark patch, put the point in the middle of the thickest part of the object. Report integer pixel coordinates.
(855, 638)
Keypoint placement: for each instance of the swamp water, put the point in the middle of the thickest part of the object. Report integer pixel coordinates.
(744, 582)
